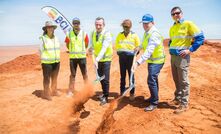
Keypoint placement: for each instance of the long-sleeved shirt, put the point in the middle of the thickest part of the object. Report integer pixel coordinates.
(154, 40)
(194, 32)
(127, 44)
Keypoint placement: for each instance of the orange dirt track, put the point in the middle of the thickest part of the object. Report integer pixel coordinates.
(22, 110)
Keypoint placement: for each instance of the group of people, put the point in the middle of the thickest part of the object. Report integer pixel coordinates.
(185, 38)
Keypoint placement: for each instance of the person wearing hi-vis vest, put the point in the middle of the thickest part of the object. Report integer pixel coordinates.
(50, 59)
(185, 38)
(101, 46)
(127, 43)
(154, 56)
(77, 42)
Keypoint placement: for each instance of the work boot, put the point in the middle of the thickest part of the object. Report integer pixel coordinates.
(181, 109)
(103, 101)
(132, 97)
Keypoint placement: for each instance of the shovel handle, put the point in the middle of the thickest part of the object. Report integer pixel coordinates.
(132, 73)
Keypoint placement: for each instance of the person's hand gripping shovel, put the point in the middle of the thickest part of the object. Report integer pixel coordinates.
(133, 68)
(98, 78)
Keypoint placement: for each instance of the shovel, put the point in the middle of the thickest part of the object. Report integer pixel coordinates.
(98, 78)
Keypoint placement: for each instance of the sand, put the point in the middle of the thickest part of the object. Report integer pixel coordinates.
(22, 110)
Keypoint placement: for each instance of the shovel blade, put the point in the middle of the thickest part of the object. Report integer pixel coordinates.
(128, 90)
(99, 79)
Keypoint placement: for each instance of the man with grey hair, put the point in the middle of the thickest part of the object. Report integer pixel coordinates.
(101, 45)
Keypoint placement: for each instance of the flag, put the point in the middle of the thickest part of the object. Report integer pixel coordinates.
(58, 18)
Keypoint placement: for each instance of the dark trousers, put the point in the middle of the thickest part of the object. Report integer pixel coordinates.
(104, 69)
(73, 67)
(153, 73)
(50, 71)
(125, 62)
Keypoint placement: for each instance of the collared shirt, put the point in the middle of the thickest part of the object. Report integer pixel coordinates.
(180, 21)
(154, 40)
(194, 32)
(127, 44)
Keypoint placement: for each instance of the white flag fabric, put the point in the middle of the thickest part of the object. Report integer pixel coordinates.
(58, 18)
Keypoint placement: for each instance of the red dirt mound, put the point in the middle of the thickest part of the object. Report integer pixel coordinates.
(21, 63)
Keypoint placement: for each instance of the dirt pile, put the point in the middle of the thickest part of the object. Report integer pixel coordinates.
(21, 63)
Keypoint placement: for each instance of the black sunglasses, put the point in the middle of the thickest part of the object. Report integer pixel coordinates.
(76, 23)
(176, 13)
(126, 27)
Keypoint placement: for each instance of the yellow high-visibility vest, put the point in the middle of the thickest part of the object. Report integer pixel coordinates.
(97, 45)
(51, 50)
(77, 47)
(127, 44)
(158, 56)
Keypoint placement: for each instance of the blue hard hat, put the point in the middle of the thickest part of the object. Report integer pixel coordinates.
(147, 18)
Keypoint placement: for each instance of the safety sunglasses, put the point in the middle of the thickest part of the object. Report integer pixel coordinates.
(76, 23)
(126, 27)
(176, 13)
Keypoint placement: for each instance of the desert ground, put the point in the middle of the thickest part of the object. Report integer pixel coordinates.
(23, 111)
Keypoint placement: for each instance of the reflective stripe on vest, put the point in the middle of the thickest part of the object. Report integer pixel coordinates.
(179, 47)
(126, 44)
(77, 52)
(125, 50)
(155, 59)
(158, 56)
(182, 37)
(181, 34)
(50, 59)
(97, 45)
(77, 45)
(51, 51)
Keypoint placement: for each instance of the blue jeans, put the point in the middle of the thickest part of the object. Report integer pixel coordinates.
(153, 72)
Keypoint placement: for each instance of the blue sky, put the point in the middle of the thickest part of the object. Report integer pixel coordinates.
(21, 20)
